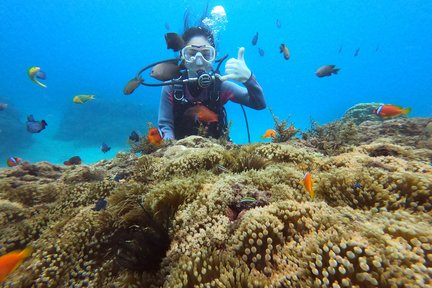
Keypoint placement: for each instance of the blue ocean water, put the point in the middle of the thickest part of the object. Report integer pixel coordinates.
(95, 47)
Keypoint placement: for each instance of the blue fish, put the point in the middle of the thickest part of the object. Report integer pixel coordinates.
(357, 186)
(255, 39)
(261, 51)
(105, 148)
(34, 126)
(101, 204)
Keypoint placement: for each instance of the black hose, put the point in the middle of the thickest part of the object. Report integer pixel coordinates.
(247, 125)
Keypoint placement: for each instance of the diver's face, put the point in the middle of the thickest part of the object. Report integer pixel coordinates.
(200, 59)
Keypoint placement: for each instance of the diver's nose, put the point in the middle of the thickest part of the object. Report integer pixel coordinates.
(199, 59)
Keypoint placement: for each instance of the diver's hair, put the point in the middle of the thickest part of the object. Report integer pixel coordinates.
(198, 31)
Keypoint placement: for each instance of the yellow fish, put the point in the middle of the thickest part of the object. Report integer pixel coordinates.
(10, 261)
(36, 72)
(80, 99)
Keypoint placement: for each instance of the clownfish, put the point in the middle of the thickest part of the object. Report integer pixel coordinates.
(307, 181)
(155, 136)
(10, 261)
(270, 133)
(388, 110)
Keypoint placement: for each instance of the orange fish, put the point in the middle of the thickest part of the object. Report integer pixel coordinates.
(10, 261)
(307, 181)
(388, 110)
(202, 114)
(155, 136)
(270, 133)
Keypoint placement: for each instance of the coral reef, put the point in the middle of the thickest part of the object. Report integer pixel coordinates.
(283, 131)
(196, 213)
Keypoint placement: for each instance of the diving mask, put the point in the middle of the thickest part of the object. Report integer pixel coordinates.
(192, 53)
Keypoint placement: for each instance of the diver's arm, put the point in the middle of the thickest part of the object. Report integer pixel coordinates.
(166, 115)
(251, 96)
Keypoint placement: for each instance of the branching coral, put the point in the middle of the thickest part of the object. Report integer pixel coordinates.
(283, 131)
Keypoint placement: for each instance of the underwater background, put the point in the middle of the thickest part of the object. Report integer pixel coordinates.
(95, 47)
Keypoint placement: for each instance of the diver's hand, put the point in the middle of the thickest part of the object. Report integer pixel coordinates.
(236, 69)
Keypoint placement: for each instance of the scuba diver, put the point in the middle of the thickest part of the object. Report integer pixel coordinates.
(188, 105)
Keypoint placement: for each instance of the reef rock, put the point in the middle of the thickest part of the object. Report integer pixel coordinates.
(362, 112)
(212, 216)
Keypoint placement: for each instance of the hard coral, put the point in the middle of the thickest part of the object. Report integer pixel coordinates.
(166, 223)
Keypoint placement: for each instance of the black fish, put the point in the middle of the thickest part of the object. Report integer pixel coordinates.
(105, 148)
(134, 137)
(35, 126)
(174, 41)
(261, 51)
(75, 160)
(327, 70)
(356, 52)
(278, 23)
(166, 71)
(101, 204)
(3, 106)
(132, 85)
(255, 39)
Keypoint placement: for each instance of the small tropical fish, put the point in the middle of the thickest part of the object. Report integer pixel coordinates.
(105, 148)
(166, 71)
(101, 204)
(167, 26)
(36, 72)
(75, 160)
(247, 199)
(3, 106)
(13, 161)
(278, 23)
(356, 53)
(80, 99)
(357, 185)
(11, 261)
(270, 133)
(284, 49)
(155, 136)
(34, 126)
(388, 110)
(307, 181)
(340, 49)
(327, 70)
(134, 136)
(255, 39)
(202, 114)
(174, 41)
(377, 48)
(132, 85)
(261, 51)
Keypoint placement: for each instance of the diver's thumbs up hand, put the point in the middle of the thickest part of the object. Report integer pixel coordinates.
(236, 69)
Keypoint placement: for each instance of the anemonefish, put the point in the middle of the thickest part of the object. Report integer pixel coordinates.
(13, 161)
(270, 133)
(10, 261)
(307, 181)
(36, 72)
(202, 114)
(80, 99)
(155, 136)
(388, 110)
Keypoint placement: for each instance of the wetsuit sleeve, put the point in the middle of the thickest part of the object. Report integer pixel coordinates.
(251, 96)
(166, 115)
